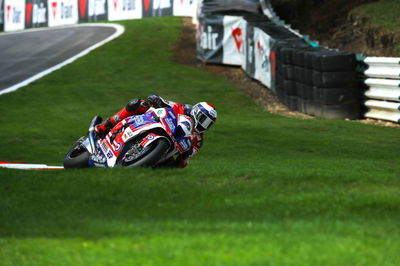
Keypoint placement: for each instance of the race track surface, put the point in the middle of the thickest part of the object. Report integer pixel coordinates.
(25, 54)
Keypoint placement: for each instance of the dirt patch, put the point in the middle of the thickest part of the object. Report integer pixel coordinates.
(185, 53)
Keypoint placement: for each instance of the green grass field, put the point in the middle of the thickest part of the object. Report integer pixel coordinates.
(265, 190)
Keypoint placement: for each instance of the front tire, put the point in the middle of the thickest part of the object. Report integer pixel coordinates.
(77, 157)
(155, 152)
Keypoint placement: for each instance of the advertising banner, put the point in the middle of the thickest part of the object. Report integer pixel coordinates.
(92, 10)
(249, 66)
(185, 8)
(36, 13)
(233, 42)
(209, 37)
(157, 8)
(262, 57)
(124, 9)
(63, 12)
(14, 15)
(1, 15)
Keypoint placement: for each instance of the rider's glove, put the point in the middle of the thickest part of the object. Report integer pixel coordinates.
(156, 101)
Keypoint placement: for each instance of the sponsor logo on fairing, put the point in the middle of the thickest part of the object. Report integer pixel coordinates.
(116, 146)
(208, 39)
(170, 123)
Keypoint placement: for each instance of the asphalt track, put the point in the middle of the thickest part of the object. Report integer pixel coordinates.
(31, 53)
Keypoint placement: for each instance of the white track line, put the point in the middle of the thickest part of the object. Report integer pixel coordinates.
(119, 30)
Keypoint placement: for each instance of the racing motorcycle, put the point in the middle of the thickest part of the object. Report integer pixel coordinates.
(147, 140)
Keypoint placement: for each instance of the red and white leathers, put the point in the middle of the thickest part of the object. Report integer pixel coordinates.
(138, 106)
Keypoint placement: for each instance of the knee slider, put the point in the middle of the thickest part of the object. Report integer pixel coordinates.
(133, 105)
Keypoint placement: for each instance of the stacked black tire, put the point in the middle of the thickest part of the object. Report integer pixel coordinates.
(318, 81)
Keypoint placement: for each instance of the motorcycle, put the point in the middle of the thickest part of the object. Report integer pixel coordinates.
(147, 140)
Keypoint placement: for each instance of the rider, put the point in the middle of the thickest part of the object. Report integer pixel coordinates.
(202, 115)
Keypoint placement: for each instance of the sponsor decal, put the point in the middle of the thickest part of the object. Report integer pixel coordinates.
(272, 58)
(97, 7)
(170, 123)
(116, 146)
(109, 155)
(36, 13)
(124, 9)
(127, 134)
(14, 17)
(208, 39)
(237, 36)
(63, 12)
(54, 9)
(161, 4)
(146, 5)
(82, 8)
(185, 144)
(128, 5)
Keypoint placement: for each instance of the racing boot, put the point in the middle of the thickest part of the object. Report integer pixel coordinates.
(134, 107)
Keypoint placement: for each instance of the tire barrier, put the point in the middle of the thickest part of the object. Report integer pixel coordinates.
(310, 79)
(383, 93)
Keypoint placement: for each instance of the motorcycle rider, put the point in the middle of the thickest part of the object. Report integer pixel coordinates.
(202, 115)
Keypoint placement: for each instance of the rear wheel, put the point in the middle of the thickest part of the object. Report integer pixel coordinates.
(138, 156)
(77, 157)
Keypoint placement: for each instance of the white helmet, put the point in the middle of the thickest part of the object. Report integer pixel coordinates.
(204, 115)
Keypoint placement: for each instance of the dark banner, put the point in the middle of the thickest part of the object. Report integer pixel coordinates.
(36, 13)
(157, 8)
(210, 35)
(92, 10)
(1, 15)
(250, 66)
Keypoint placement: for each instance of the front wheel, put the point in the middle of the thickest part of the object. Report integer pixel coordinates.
(148, 156)
(77, 157)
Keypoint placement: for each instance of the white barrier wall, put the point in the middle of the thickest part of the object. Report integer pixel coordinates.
(124, 9)
(66, 12)
(383, 88)
(14, 15)
(62, 12)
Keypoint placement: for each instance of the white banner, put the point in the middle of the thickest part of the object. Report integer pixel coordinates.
(62, 12)
(262, 57)
(14, 15)
(234, 38)
(185, 8)
(124, 9)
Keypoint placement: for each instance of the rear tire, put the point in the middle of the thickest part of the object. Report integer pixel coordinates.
(77, 157)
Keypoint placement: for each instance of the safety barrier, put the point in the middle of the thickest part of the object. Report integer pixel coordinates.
(314, 80)
(23, 14)
(383, 93)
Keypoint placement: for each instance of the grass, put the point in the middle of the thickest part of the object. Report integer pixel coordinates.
(265, 190)
(381, 13)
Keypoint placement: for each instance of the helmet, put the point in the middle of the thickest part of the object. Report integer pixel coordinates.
(204, 115)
